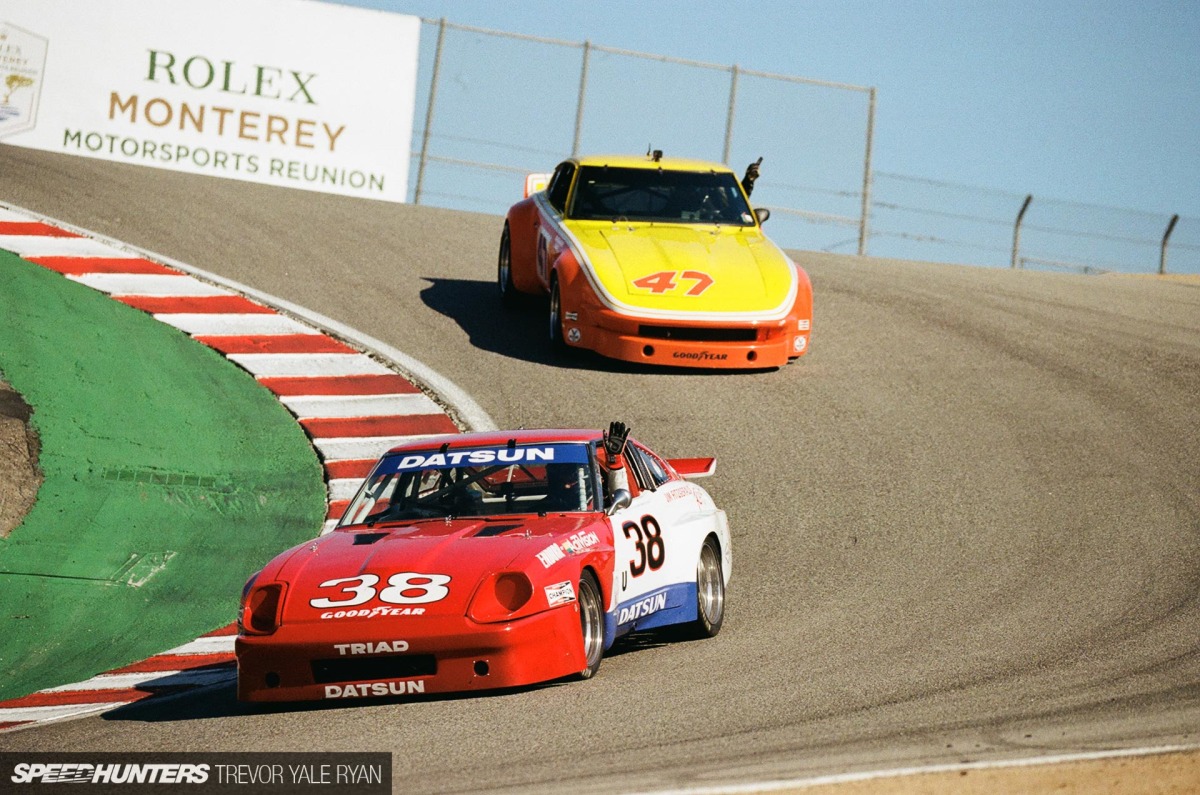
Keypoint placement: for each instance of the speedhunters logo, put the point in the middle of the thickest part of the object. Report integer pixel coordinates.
(248, 773)
(80, 773)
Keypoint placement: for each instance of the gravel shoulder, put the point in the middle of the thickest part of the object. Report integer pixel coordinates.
(19, 474)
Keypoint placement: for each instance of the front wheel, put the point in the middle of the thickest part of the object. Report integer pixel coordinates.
(591, 624)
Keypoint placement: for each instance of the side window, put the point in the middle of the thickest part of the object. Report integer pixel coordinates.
(639, 462)
(657, 471)
(559, 185)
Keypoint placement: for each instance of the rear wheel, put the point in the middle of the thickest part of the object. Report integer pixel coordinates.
(504, 280)
(591, 623)
(710, 591)
(557, 342)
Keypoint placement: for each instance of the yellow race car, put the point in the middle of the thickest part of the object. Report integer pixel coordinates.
(656, 260)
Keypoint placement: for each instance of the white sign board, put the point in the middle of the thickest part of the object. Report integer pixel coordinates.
(293, 93)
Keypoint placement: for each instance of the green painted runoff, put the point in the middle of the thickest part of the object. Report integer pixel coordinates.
(170, 477)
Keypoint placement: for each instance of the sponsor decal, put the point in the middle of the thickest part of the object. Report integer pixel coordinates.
(532, 454)
(687, 491)
(799, 344)
(574, 334)
(804, 325)
(583, 540)
(192, 92)
(550, 555)
(22, 61)
(375, 689)
(700, 356)
(682, 492)
(388, 612)
(642, 608)
(382, 647)
(83, 773)
(560, 593)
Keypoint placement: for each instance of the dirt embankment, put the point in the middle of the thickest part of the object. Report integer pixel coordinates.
(19, 473)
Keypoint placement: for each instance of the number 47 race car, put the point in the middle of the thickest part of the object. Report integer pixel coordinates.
(656, 260)
(490, 560)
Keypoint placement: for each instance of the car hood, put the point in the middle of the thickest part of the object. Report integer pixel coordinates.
(748, 273)
(465, 550)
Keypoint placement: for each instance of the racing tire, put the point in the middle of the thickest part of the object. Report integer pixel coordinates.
(710, 592)
(558, 343)
(509, 296)
(591, 623)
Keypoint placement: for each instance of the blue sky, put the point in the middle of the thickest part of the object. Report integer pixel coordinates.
(1095, 102)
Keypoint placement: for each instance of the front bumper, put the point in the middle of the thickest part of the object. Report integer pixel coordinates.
(357, 657)
(687, 344)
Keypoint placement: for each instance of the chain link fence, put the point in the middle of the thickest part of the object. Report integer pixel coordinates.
(914, 218)
(494, 106)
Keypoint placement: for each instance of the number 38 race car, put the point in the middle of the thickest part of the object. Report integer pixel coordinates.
(485, 561)
(656, 260)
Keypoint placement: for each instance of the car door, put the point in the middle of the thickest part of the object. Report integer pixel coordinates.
(550, 242)
(655, 565)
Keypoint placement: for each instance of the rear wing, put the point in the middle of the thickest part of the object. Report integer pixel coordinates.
(536, 183)
(692, 468)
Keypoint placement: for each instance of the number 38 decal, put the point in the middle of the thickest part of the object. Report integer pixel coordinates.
(650, 547)
(403, 588)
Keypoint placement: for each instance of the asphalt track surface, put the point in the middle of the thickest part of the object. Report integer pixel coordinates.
(966, 525)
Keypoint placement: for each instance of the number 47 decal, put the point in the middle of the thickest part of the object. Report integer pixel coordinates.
(665, 281)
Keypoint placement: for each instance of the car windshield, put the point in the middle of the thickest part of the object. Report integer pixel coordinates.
(480, 481)
(604, 193)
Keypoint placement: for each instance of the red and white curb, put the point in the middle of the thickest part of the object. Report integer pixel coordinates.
(353, 405)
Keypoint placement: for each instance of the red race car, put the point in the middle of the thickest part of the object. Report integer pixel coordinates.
(483, 561)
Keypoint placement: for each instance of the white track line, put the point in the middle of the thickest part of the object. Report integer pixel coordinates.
(901, 772)
(217, 325)
(331, 406)
(214, 644)
(147, 284)
(42, 246)
(309, 364)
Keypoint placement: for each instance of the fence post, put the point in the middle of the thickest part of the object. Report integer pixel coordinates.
(1017, 230)
(729, 116)
(433, 84)
(583, 76)
(1162, 256)
(863, 220)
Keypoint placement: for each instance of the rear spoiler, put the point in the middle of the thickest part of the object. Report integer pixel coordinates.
(692, 468)
(536, 183)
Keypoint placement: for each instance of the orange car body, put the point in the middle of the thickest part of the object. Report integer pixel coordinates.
(658, 261)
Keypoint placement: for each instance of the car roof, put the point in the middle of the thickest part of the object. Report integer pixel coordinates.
(458, 441)
(644, 161)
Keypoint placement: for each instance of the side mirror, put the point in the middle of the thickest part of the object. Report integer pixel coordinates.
(536, 183)
(621, 498)
(762, 214)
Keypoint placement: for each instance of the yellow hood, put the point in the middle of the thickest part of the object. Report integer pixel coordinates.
(686, 268)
